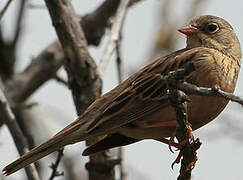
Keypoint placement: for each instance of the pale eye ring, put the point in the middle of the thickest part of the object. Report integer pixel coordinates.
(212, 28)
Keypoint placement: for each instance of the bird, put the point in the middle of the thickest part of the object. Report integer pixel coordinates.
(139, 107)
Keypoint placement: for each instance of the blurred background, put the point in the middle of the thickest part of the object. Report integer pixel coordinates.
(150, 29)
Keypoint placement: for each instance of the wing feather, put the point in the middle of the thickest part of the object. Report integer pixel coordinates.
(146, 93)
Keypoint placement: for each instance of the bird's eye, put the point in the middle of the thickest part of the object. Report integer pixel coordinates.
(212, 28)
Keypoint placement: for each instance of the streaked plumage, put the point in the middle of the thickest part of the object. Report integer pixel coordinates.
(138, 108)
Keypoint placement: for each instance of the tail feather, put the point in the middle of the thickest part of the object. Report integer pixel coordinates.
(60, 140)
(30, 157)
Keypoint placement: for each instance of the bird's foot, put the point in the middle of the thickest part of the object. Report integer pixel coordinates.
(193, 161)
(181, 144)
(171, 142)
(177, 160)
(189, 167)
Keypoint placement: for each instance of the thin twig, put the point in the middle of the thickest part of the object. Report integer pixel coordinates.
(20, 17)
(94, 24)
(120, 156)
(214, 91)
(8, 118)
(119, 62)
(84, 80)
(179, 89)
(54, 166)
(115, 30)
(24, 84)
(52, 57)
(5, 9)
(176, 79)
(120, 71)
(61, 80)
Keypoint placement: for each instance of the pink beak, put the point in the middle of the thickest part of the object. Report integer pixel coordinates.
(189, 30)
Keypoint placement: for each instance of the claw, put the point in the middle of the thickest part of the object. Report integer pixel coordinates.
(180, 146)
(177, 160)
(189, 137)
(171, 141)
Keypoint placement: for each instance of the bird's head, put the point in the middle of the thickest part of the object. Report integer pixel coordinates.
(212, 32)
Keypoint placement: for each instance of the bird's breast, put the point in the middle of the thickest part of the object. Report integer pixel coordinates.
(220, 70)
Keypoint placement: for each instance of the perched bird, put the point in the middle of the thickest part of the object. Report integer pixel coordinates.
(138, 108)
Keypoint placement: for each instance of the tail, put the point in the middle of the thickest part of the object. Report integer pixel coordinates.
(69, 135)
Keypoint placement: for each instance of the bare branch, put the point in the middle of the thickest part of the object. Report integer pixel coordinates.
(178, 101)
(120, 71)
(5, 9)
(8, 118)
(214, 91)
(60, 80)
(20, 17)
(81, 68)
(83, 77)
(54, 166)
(41, 69)
(95, 23)
(119, 62)
(176, 84)
(114, 37)
(176, 80)
(45, 65)
(123, 174)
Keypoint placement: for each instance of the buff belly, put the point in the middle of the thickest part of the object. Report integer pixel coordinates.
(201, 110)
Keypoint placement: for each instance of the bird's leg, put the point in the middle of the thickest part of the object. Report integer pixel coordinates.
(177, 160)
(189, 136)
(172, 140)
(170, 143)
(192, 164)
(180, 145)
